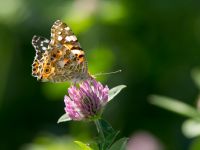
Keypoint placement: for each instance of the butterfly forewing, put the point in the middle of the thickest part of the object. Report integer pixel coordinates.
(61, 34)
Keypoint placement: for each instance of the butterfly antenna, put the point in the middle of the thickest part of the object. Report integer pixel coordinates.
(107, 73)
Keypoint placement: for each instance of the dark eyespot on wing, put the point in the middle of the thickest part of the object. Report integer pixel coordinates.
(80, 56)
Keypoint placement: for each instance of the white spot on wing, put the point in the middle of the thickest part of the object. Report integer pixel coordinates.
(73, 37)
(46, 41)
(70, 38)
(67, 38)
(59, 38)
(44, 48)
(52, 34)
(76, 51)
(67, 28)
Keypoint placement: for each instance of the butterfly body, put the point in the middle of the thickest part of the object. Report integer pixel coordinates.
(60, 59)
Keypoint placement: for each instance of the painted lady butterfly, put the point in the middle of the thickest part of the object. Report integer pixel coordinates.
(60, 59)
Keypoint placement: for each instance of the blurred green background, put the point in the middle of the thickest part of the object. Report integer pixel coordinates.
(156, 43)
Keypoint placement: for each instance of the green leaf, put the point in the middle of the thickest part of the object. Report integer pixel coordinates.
(106, 127)
(82, 145)
(114, 91)
(174, 106)
(120, 144)
(109, 134)
(191, 128)
(64, 118)
(110, 139)
(94, 145)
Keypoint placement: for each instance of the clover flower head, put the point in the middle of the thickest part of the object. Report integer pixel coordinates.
(86, 101)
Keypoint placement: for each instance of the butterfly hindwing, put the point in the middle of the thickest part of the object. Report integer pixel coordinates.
(41, 45)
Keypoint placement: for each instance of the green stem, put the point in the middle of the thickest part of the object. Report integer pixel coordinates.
(99, 129)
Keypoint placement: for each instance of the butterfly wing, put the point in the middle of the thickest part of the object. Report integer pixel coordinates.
(60, 59)
(41, 45)
(62, 35)
(66, 54)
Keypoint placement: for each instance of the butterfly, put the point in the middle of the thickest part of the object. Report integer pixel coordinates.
(61, 58)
